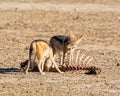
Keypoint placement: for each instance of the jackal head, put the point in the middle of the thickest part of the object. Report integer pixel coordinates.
(23, 65)
(74, 40)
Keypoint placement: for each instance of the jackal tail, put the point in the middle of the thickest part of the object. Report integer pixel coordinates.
(32, 55)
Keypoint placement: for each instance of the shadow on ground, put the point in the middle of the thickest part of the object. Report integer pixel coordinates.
(5, 70)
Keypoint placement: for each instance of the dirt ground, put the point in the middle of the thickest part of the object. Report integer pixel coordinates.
(22, 21)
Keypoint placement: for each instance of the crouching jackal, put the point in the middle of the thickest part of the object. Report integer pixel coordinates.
(41, 50)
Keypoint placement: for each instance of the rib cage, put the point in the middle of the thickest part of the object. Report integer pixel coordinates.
(75, 58)
(79, 61)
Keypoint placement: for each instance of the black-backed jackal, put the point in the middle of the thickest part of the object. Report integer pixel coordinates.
(62, 44)
(41, 50)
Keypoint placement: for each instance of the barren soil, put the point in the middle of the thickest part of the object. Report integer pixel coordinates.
(22, 21)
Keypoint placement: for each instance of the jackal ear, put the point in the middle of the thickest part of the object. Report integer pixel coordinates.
(72, 36)
(79, 38)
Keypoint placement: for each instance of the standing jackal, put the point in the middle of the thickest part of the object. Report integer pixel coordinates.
(62, 44)
(44, 53)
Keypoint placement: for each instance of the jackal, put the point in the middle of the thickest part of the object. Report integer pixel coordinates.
(41, 50)
(62, 44)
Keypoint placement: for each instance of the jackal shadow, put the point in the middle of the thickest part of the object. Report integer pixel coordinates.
(9, 70)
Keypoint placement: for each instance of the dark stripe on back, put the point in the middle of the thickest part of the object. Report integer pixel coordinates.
(62, 39)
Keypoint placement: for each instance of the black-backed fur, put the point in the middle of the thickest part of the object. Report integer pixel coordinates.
(62, 39)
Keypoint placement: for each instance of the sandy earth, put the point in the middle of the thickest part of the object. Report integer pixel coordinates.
(23, 21)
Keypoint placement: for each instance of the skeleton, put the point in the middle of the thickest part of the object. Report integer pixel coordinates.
(79, 62)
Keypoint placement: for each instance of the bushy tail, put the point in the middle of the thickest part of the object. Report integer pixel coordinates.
(32, 56)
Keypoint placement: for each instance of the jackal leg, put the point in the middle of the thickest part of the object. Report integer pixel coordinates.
(43, 63)
(52, 65)
(61, 59)
(48, 64)
(67, 59)
(56, 66)
(39, 67)
(64, 58)
(26, 70)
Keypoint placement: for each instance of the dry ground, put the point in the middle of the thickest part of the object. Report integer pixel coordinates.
(22, 21)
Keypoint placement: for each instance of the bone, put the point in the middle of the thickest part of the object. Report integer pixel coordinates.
(70, 58)
(78, 52)
(61, 60)
(67, 59)
(89, 61)
(80, 60)
(75, 60)
(85, 59)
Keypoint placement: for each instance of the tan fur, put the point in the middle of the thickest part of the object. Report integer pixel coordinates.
(44, 54)
(62, 49)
